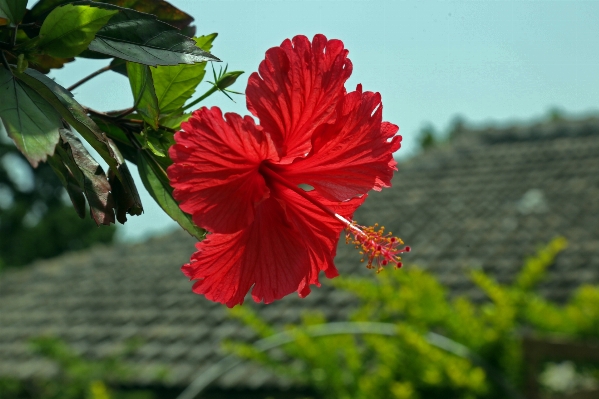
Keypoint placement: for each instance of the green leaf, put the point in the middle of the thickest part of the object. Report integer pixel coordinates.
(205, 42)
(119, 66)
(42, 8)
(93, 55)
(63, 102)
(144, 94)
(160, 8)
(163, 10)
(158, 141)
(113, 131)
(174, 121)
(43, 62)
(69, 29)
(28, 118)
(176, 84)
(119, 136)
(156, 182)
(13, 10)
(141, 38)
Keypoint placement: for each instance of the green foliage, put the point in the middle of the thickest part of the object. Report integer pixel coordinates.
(555, 114)
(42, 117)
(156, 182)
(29, 120)
(76, 378)
(221, 83)
(176, 84)
(144, 94)
(13, 10)
(73, 113)
(142, 38)
(69, 29)
(410, 365)
(427, 137)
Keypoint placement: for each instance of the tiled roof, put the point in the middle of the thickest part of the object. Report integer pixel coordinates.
(487, 199)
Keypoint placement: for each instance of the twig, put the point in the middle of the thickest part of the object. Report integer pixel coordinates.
(97, 113)
(133, 140)
(5, 61)
(14, 35)
(88, 77)
(117, 118)
(121, 113)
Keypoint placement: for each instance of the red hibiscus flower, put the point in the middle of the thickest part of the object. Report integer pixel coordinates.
(241, 181)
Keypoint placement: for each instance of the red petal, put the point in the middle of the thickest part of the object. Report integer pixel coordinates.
(282, 251)
(215, 169)
(351, 156)
(320, 231)
(297, 89)
(266, 254)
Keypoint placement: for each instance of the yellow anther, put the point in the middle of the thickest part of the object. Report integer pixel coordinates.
(376, 247)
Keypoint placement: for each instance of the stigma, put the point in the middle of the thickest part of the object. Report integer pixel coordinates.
(377, 248)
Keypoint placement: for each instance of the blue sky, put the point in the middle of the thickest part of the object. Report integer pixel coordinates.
(492, 62)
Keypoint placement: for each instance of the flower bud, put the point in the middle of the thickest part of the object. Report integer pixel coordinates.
(227, 79)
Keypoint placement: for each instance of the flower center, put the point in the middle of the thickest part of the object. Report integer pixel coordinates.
(376, 247)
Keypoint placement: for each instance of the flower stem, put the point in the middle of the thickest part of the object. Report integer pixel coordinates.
(210, 91)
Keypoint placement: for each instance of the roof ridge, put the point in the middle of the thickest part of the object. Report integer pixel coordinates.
(534, 131)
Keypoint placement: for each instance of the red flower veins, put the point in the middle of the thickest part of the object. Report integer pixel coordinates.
(240, 181)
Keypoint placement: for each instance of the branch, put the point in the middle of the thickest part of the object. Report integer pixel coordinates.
(97, 113)
(5, 61)
(14, 36)
(120, 114)
(133, 140)
(88, 77)
(118, 118)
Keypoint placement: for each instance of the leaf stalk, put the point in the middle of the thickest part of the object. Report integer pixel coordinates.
(89, 77)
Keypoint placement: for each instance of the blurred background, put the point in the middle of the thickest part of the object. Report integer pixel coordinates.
(497, 192)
